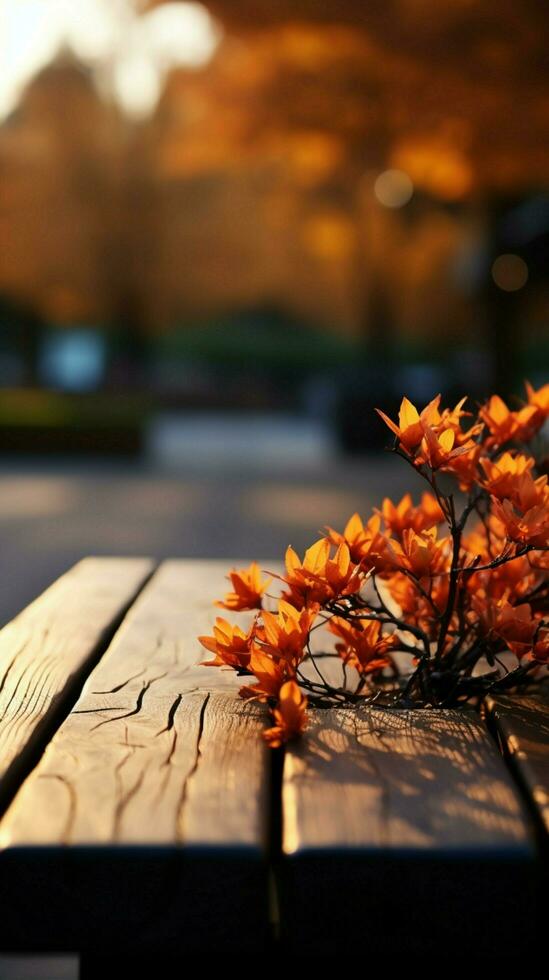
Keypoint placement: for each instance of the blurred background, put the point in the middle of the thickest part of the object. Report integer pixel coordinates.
(227, 232)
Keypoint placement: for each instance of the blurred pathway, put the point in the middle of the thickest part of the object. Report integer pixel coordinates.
(236, 497)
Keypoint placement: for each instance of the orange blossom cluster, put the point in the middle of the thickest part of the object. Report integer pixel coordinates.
(412, 580)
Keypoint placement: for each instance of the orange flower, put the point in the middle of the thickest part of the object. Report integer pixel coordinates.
(318, 577)
(230, 645)
(270, 674)
(411, 424)
(540, 401)
(423, 554)
(431, 429)
(398, 517)
(366, 542)
(284, 636)
(404, 515)
(364, 647)
(439, 591)
(531, 527)
(413, 606)
(438, 450)
(406, 595)
(529, 493)
(515, 625)
(483, 610)
(450, 598)
(355, 535)
(290, 716)
(539, 398)
(505, 425)
(428, 513)
(464, 466)
(485, 540)
(248, 589)
(509, 581)
(451, 418)
(502, 474)
(510, 477)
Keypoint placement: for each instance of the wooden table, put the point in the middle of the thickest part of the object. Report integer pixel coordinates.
(143, 815)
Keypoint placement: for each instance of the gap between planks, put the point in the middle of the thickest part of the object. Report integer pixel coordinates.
(160, 752)
(158, 749)
(145, 824)
(521, 725)
(47, 651)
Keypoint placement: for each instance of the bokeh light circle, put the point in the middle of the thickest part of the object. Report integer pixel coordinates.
(510, 272)
(393, 188)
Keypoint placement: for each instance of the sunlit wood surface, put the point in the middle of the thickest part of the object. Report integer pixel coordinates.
(152, 819)
(46, 652)
(158, 749)
(357, 780)
(405, 815)
(522, 727)
(158, 753)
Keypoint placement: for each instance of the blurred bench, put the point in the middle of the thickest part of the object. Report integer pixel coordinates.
(143, 816)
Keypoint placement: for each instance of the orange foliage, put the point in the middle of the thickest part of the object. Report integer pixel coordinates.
(290, 715)
(364, 645)
(399, 517)
(505, 425)
(248, 589)
(319, 577)
(284, 636)
(229, 643)
(422, 554)
(366, 542)
(411, 580)
(411, 425)
(270, 673)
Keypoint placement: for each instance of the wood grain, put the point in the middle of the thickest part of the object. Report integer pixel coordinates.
(401, 816)
(357, 777)
(159, 754)
(522, 726)
(47, 650)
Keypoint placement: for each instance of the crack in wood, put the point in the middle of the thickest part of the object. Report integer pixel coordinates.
(48, 651)
(167, 765)
(10, 665)
(14, 692)
(171, 716)
(118, 687)
(138, 704)
(130, 745)
(192, 770)
(71, 816)
(168, 759)
(125, 799)
(120, 765)
(93, 711)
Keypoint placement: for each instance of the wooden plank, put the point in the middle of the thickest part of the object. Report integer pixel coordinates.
(46, 652)
(406, 818)
(158, 778)
(522, 727)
